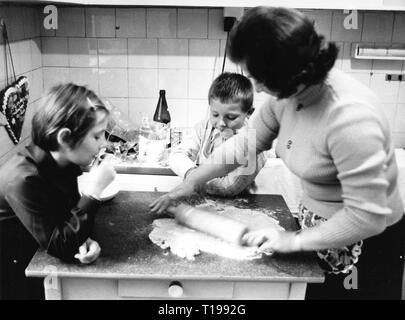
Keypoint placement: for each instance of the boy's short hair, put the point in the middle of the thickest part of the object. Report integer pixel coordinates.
(65, 106)
(232, 88)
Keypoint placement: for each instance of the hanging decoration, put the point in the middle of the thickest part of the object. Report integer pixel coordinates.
(13, 98)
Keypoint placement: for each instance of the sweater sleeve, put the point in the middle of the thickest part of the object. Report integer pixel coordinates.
(28, 198)
(183, 157)
(236, 181)
(345, 227)
(265, 125)
(356, 143)
(244, 147)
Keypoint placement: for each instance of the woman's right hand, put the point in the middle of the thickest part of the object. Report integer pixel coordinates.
(183, 190)
(100, 177)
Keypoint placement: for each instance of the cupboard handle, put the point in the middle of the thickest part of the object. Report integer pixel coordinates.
(175, 289)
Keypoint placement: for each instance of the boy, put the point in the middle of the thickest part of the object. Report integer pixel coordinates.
(230, 98)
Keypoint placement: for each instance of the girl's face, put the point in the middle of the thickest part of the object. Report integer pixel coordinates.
(84, 152)
(225, 116)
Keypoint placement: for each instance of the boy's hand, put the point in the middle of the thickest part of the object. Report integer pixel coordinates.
(88, 251)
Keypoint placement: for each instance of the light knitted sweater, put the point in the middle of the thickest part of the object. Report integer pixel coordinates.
(197, 147)
(336, 139)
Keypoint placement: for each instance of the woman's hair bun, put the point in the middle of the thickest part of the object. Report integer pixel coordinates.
(325, 60)
(317, 68)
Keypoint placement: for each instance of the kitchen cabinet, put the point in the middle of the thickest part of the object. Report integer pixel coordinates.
(120, 289)
(132, 267)
(300, 4)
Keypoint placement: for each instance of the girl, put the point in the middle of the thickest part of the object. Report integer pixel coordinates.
(39, 200)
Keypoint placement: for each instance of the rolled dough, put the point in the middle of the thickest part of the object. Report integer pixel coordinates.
(187, 243)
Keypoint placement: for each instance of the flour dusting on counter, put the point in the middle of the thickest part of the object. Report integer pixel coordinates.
(187, 243)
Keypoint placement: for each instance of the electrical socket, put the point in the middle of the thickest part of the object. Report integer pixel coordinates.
(395, 77)
(228, 23)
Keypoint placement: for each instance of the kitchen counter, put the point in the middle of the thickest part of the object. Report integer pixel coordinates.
(131, 266)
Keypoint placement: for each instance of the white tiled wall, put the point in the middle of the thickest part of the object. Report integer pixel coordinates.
(70, 22)
(377, 27)
(161, 23)
(112, 53)
(131, 22)
(131, 53)
(143, 53)
(82, 52)
(173, 53)
(126, 54)
(23, 26)
(192, 23)
(100, 22)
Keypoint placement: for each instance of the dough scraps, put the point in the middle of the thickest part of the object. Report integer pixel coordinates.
(187, 243)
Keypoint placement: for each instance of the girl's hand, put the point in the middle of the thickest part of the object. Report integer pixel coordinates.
(272, 239)
(88, 251)
(100, 177)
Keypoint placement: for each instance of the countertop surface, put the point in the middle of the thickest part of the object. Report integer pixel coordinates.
(122, 227)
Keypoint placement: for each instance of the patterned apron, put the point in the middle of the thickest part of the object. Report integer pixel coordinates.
(339, 260)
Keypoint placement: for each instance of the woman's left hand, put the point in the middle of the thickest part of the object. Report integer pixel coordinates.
(272, 239)
(88, 251)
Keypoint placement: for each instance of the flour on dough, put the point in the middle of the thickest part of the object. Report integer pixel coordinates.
(187, 243)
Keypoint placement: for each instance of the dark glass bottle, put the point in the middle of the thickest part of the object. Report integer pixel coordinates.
(162, 111)
(162, 115)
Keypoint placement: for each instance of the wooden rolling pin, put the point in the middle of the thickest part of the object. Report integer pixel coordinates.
(221, 227)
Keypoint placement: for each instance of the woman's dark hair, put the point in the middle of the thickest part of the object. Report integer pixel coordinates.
(65, 106)
(281, 49)
(232, 88)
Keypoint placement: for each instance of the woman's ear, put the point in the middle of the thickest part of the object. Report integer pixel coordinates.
(63, 137)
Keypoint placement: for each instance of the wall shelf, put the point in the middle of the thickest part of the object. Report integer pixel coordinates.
(379, 52)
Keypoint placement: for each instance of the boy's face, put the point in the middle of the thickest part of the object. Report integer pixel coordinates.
(225, 116)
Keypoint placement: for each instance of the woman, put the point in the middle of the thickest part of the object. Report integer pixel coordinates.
(39, 200)
(333, 136)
